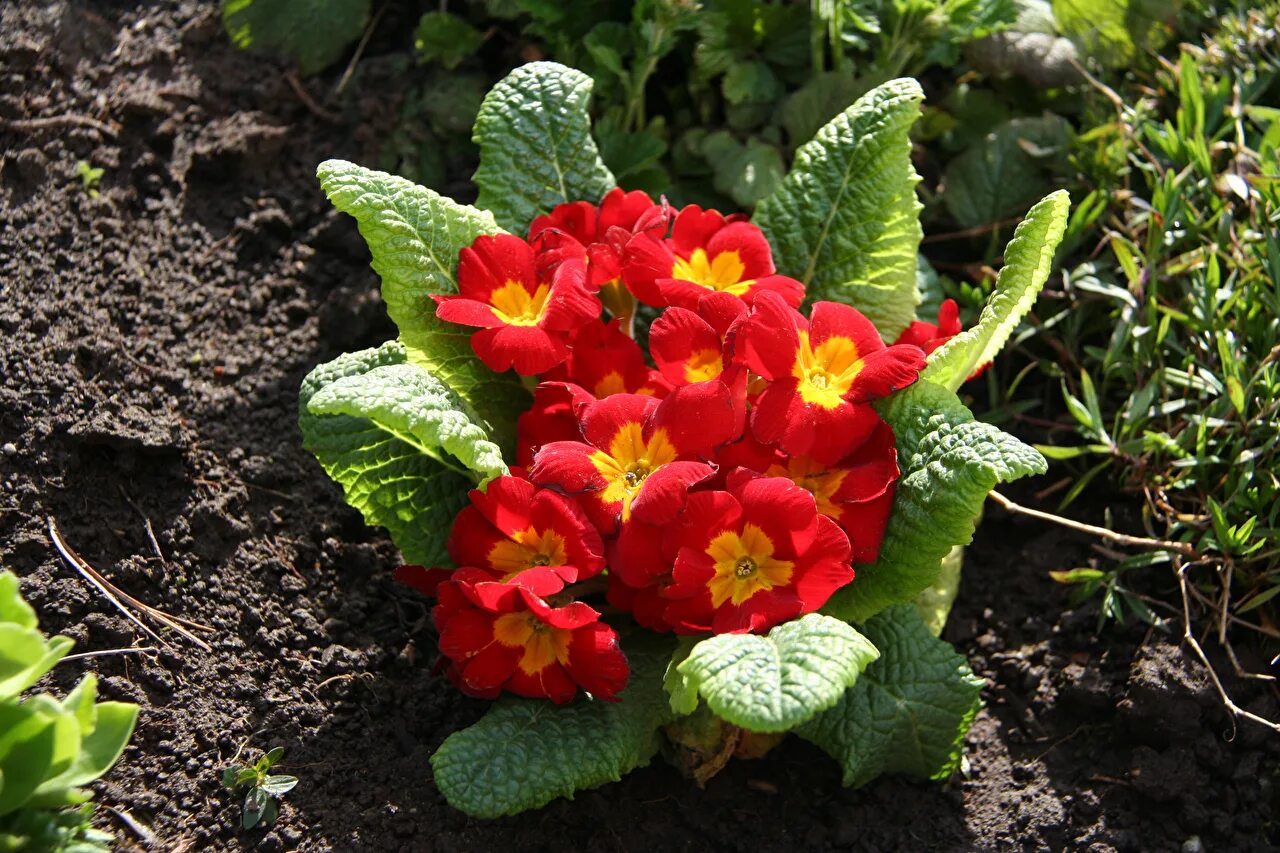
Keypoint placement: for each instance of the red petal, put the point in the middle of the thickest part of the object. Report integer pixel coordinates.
(700, 417)
(677, 335)
(584, 548)
(948, 320)
(604, 358)
(619, 209)
(567, 466)
(602, 420)
(551, 682)
(693, 229)
(706, 516)
(597, 663)
(572, 616)
(871, 468)
(833, 319)
(466, 634)
(645, 260)
(577, 219)
(550, 418)
(663, 494)
(758, 613)
(825, 568)
(636, 557)
(785, 512)
(424, 580)
(489, 670)
(466, 312)
(529, 349)
(490, 262)
(505, 503)
(865, 523)
(770, 338)
(791, 291)
(569, 304)
(472, 538)
(721, 310)
(750, 244)
(886, 371)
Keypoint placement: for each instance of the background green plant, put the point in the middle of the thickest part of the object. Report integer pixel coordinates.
(49, 749)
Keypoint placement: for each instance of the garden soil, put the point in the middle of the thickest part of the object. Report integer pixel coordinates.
(153, 340)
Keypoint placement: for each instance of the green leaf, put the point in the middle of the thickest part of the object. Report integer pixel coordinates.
(445, 38)
(934, 604)
(415, 236)
(775, 683)
(749, 173)
(949, 462)
(681, 689)
(25, 655)
(536, 149)
(411, 405)
(1116, 32)
(99, 749)
(38, 740)
(1004, 171)
(314, 33)
(846, 220)
(1027, 262)
(751, 82)
(526, 752)
(909, 711)
(12, 608)
(385, 474)
(278, 786)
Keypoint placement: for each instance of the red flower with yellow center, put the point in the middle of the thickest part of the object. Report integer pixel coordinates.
(930, 336)
(552, 417)
(691, 347)
(640, 455)
(706, 252)
(599, 236)
(505, 636)
(513, 526)
(604, 361)
(526, 321)
(822, 373)
(753, 557)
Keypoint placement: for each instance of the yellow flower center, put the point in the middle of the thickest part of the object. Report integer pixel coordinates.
(629, 460)
(612, 383)
(525, 549)
(827, 372)
(543, 645)
(723, 272)
(814, 478)
(514, 305)
(702, 365)
(745, 565)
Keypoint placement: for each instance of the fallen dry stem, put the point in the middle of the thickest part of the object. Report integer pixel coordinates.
(1104, 533)
(117, 596)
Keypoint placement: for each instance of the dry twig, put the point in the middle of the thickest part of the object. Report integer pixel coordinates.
(117, 596)
(56, 122)
(1102, 532)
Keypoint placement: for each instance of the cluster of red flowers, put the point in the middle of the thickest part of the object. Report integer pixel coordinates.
(728, 488)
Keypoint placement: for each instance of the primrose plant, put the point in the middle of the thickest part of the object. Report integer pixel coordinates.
(758, 496)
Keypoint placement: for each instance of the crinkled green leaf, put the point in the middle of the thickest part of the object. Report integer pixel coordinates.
(949, 463)
(1027, 262)
(378, 450)
(909, 711)
(315, 33)
(1004, 171)
(410, 404)
(776, 682)
(526, 752)
(536, 149)
(846, 219)
(414, 236)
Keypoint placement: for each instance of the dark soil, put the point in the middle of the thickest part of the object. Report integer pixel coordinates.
(153, 341)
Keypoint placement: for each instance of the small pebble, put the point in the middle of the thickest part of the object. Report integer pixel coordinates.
(10, 449)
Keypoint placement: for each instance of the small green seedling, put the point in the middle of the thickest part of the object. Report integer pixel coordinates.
(263, 789)
(90, 177)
